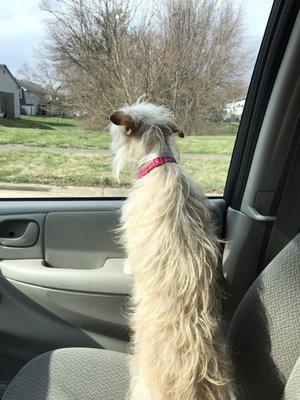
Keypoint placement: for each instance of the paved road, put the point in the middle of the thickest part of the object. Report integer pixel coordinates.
(96, 152)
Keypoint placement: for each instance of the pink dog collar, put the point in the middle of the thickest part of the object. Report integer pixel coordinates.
(156, 162)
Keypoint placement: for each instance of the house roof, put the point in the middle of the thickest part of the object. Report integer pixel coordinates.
(15, 80)
(31, 87)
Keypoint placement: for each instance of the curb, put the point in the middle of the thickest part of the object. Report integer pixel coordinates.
(24, 186)
(54, 190)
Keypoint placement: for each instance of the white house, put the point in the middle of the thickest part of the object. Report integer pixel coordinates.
(10, 93)
(234, 109)
(32, 98)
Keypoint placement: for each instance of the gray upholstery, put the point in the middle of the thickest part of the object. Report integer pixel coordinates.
(292, 389)
(71, 374)
(264, 338)
(3, 387)
(264, 341)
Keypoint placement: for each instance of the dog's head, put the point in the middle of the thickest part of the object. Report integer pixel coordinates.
(139, 130)
(142, 117)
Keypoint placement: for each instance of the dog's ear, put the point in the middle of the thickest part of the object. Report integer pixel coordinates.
(175, 128)
(120, 118)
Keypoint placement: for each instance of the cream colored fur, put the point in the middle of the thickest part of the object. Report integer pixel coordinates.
(172, 253)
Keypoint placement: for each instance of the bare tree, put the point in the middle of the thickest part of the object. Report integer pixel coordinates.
(52, 92)
(205, 56)
(187, 54)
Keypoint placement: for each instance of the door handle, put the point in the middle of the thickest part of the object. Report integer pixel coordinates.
(28, 238)
(254, 214)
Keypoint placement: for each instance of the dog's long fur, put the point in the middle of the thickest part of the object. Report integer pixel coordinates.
(172, 253)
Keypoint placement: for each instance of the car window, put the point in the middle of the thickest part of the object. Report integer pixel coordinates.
(68, 64)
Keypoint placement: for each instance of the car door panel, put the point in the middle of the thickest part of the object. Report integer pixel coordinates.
(68, 288)
(98, 316)
(108, 279)
(13, 226)
(28, 329)
(84, 239)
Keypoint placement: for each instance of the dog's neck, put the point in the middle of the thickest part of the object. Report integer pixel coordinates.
(151, 156)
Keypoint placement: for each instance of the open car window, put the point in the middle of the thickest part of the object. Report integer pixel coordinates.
(196, 57)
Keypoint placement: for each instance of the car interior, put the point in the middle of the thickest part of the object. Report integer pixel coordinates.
(63, 293)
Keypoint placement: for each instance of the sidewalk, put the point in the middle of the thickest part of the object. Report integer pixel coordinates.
(22, 190)
(97, 152)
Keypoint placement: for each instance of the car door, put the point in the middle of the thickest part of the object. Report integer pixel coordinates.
(62, 282)
(62, 279)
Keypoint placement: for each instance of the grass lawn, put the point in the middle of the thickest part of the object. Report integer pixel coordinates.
(206, 144)
(52, 132)
(75, 170)
(65, 169)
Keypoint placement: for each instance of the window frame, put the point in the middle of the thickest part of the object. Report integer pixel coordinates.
(275, 39)
(278, 30)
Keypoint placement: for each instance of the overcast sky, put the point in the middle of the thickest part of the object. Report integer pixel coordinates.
(21, 28)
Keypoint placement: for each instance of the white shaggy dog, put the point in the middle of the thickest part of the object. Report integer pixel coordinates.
(173, 254)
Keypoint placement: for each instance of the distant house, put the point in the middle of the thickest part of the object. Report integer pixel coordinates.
(234, 110)
(10, 93)
(32, 97)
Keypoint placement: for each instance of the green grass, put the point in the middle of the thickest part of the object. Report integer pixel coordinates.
(210, 175)
(56, 169)
(50, 132)
(206, 144)
(70, 170)
(75, 170)
(67, 133)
